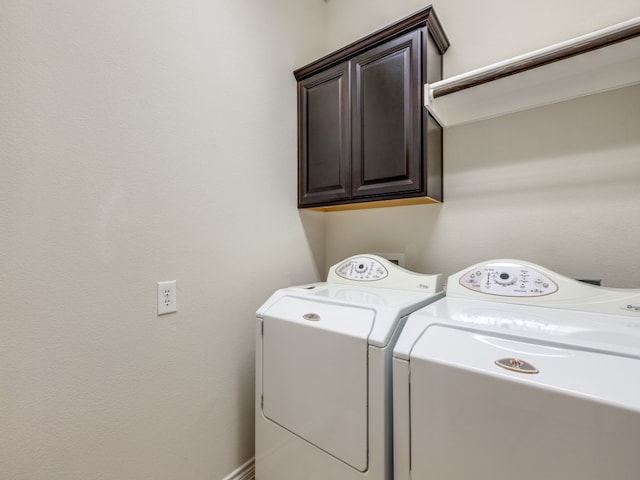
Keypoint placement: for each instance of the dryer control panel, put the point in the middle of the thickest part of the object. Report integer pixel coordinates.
(508, 280)
(362, 268)
(376, 271)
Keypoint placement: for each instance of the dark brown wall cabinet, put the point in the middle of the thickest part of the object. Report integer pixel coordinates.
(363, 133)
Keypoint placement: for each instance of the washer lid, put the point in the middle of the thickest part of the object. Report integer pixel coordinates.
(617, 334)
(314, 374)
(578, 417)
(601, 377)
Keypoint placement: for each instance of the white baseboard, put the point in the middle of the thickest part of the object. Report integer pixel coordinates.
(243, 472)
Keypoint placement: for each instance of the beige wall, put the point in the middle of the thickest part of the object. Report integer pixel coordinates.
(558, 185)
(148, 141)
(140, 142)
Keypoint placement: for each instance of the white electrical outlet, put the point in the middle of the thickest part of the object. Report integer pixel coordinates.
(167, 298)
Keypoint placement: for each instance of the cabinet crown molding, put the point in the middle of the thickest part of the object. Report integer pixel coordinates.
(425, 17)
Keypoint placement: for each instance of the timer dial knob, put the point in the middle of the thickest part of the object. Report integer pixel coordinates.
(505, 279)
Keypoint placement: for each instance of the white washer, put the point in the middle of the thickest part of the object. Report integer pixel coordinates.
(323, 371)
(519, 373)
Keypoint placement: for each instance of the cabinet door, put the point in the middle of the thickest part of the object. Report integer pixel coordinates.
(324, 137)
(387, 118)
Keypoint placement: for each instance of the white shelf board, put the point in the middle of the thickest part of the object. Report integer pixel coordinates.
(615, 65)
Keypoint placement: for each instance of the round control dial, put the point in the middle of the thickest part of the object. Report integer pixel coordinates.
(505, 278)
(361, 267)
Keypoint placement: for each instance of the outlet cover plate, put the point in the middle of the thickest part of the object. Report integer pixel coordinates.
(167, 298)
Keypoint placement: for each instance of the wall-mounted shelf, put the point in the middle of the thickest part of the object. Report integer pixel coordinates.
(599, 61)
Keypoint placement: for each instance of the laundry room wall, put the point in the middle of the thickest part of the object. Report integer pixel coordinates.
(557, 185)
(142, 142)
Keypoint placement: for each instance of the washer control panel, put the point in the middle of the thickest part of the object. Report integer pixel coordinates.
(518, 282)
(361, 269)
(508, 280)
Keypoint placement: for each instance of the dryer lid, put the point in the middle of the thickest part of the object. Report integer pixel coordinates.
(315, 375)
(349, 320)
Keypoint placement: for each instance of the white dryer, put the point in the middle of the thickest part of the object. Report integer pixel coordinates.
(323, 371)
(519, 373)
